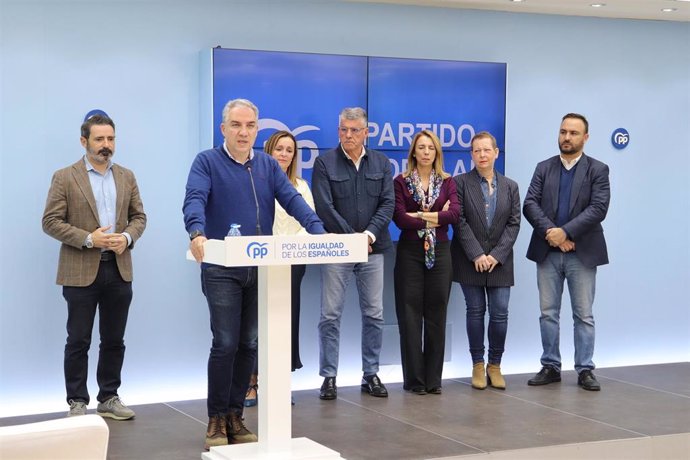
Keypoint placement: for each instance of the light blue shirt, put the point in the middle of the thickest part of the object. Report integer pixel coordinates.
(489, 199)
(105, 193)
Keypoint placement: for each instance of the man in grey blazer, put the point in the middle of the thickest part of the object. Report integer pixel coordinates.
(567, 200)
(94, 209)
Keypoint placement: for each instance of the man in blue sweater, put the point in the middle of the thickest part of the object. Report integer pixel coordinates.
(353, 193)
(567, 200)
(223, 188)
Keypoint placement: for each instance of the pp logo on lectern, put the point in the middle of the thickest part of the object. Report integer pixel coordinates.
(620, 138)
(257, 250)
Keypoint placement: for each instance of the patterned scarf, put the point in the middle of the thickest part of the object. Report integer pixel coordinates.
(425, 202)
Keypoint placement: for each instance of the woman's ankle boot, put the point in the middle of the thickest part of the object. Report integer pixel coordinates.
(478, 376)
(493, 374)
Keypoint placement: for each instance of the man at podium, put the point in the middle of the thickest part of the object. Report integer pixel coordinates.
(234, 184)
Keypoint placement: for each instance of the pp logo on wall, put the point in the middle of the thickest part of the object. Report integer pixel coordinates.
(620, 138)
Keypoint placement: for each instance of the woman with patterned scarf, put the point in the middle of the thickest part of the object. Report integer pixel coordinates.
(426, 205)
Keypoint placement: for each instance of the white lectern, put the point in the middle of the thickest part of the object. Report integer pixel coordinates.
(274, 255)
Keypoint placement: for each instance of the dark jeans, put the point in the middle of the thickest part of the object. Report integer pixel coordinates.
(112, 296)
(476, 301)
(421, 303)
(231, 293)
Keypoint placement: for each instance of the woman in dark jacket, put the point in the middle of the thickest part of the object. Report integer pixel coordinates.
(482, 252)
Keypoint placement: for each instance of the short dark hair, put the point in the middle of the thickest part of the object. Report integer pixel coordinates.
(579, 117)
(97, 119)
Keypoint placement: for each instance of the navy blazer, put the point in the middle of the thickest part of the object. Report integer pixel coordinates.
(589, 203)
(351, 201)
(472, 236)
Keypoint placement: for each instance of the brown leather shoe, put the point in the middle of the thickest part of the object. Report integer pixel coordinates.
(216, 433)
(494, 377)
(237, 432)
(478, 376)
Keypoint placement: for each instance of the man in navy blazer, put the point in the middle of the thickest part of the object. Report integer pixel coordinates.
(567, 200)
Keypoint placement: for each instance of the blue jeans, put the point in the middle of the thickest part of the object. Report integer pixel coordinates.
(231, 293)
(334, 281)
(551, 272)
(476, 301)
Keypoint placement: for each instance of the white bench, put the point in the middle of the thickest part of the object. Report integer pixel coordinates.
(73, 438)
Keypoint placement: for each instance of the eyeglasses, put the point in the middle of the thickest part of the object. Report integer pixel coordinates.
(354, 131)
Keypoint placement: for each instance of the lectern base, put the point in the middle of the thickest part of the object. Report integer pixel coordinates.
(299, 448)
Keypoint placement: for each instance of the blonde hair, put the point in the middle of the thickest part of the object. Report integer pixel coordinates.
(438, 159)
(271, 144)
(484, 135)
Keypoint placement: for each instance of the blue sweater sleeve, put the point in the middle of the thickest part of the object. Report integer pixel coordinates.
(196, 194)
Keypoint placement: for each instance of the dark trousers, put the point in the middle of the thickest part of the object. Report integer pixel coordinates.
(232, 296)
(297, 275)
(421, 303)
(295, 300)
(112, 296)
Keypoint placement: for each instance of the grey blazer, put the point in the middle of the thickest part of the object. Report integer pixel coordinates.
(472, 237)
(71, 214)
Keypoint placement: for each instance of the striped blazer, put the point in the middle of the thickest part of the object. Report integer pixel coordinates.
(71, 214)
(472, 237)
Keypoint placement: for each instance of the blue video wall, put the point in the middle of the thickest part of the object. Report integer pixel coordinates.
(304, 94)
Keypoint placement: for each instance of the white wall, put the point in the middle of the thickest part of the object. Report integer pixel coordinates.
(139, 60)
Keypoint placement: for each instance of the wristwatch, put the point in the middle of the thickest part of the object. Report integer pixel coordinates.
(89, 241)
(195, 233)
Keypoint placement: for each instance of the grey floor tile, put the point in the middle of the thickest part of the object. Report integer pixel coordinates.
(492, 420)
(359, 426)
(634, 402)
(158, 432)
(671, 377)
(629, 407)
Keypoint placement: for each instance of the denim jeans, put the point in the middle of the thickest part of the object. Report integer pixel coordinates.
(334, 281)
(112, 296)
(231, 293)
(551, 273)
(476, 300)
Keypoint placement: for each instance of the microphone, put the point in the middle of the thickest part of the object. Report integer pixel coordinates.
(256, 200)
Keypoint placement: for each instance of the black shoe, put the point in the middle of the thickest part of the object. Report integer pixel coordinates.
(545, 376)
(435, 391)
(587, 381)
(372, 385)
(419, 391)
(328, 389)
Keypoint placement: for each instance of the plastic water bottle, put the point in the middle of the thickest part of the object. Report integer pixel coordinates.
(234, 230)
